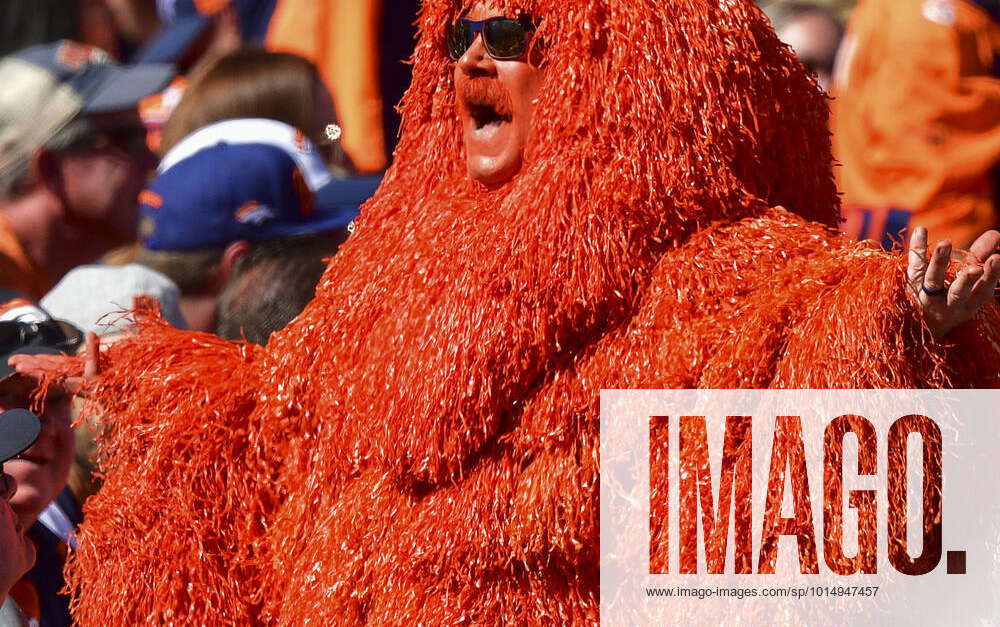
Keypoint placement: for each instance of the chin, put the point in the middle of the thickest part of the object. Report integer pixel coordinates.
(493, 172)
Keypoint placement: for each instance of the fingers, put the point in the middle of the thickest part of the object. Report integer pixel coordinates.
(35, 365)
(973, 287)
(985, 288)
(964, 284)
(937, 270)
(917, 258)
(985, 245)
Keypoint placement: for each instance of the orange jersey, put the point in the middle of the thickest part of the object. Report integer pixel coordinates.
(916, 118)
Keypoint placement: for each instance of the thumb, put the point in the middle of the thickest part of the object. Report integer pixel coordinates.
(92, 356)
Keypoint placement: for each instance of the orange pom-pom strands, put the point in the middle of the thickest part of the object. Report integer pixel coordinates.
(421, 445)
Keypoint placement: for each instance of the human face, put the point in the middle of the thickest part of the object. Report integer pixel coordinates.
(496, 101)
(102, 177)
(815, 38)
(16, 547)
(42, 470)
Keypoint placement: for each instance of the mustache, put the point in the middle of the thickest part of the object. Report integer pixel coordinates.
(482, 91)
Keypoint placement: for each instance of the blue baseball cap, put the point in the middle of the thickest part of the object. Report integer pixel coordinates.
(102, 85)
(247, 179)
(186, 20)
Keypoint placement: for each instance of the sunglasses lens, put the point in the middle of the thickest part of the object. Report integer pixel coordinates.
(505, 38)
(458, 39)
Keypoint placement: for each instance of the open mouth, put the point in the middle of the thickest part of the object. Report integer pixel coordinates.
(484, 115)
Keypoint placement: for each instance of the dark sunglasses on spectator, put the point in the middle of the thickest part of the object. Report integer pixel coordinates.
(50, 333)
(130, 139)
(505, 38)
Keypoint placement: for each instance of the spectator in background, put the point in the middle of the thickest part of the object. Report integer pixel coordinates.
(26, 23)
(252, 83)
(813, 32)
(18, 431)
(92, 298)
(73, 159)
(841, 9)
(916, 118)
(135, 21)
(347, 40)
(193, 30)
(42, 470)
(359, 47)
(270, 285)
(227, 189)
(116, 26)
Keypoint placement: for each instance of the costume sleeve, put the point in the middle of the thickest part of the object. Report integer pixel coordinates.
(171, 533)
(845, 318)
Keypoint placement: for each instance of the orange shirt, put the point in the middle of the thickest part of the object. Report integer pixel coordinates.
(17, 271)
(342, 38)
(916, 119)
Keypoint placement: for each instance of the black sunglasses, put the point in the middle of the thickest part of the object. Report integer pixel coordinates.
(130, 139)
(505, 38)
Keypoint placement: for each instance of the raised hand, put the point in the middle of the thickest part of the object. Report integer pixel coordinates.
(38, 366)
(947, 306)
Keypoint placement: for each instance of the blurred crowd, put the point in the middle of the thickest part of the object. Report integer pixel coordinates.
(202, 158)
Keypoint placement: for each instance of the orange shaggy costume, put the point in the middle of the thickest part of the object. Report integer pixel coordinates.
(421, 445)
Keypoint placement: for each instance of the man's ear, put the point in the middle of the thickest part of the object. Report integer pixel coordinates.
(44, 170)
(229, 257)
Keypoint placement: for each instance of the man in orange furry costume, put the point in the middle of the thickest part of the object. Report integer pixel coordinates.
(421, 445)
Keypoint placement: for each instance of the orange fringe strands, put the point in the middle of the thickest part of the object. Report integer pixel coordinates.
(421, 445)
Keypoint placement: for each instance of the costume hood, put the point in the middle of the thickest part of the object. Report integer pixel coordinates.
(347, 459)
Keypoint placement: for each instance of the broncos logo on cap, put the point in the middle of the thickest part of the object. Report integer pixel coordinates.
(74, 56)
(254, 213)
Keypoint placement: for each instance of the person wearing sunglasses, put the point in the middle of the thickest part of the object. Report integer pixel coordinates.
(421, 445)
(498, 75)
(44, 508)
(74, 159)
(19, 429)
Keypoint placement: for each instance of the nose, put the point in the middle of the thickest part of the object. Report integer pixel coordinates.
(476, 61)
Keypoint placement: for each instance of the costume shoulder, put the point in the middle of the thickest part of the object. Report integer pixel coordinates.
(777, 301)
(172, 409)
